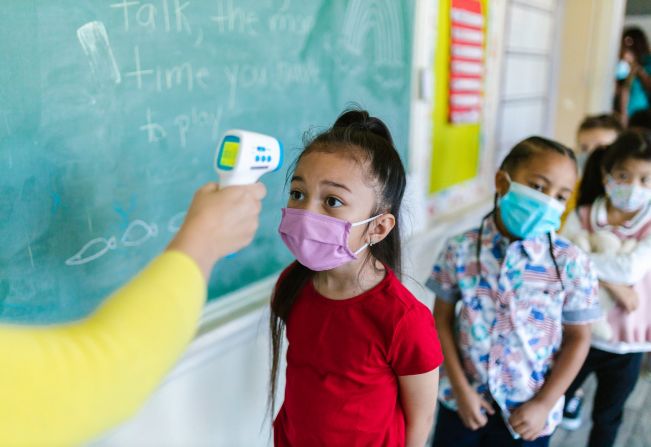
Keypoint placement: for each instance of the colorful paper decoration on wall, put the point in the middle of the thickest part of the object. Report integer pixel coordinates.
(466, 61)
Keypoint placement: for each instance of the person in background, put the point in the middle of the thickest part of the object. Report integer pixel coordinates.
(633, 74)
(615, 198)
(513, 307)
(640, 120)
(66, 384)
(594, 131)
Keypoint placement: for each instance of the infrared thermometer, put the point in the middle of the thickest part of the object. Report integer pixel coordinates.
(244, 156)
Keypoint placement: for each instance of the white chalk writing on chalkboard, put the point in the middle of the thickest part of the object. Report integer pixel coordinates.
(284, 21)
(155, 132)
(232, 19)
(147, 15)
(197, 118)
(167, 78)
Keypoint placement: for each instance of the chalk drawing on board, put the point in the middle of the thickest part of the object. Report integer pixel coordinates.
(138, 232)
(382, 17)
(31, 255)
(95, 43)
(176, 221)
(199, 39)
(92, 250)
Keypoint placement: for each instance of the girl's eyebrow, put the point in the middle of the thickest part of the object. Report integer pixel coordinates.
(546, 180)
(540, 176)
(336, 185)
(297, 178)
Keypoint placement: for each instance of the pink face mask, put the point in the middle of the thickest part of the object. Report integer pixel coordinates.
(318, 242)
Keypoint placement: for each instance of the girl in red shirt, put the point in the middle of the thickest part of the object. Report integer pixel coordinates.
(363, 352)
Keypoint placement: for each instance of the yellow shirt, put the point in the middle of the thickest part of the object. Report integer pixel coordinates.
(63, 385)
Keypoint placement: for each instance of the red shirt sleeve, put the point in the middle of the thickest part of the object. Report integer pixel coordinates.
(415, 348)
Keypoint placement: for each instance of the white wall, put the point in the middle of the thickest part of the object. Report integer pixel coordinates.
(528, 77)
(590, 34)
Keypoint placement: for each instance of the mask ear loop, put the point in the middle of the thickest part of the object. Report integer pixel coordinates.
(479, 241)
(370, 219)
(551, 253)
(362, 222)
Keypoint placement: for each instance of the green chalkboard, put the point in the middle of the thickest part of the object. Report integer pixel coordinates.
(110, 112)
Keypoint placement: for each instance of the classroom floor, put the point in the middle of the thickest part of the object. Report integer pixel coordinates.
(635, 430)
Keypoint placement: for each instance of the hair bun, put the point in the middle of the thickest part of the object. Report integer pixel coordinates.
(361, 120)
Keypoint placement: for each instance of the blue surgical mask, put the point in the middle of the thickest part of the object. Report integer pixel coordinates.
(528, 213)
(622, 70)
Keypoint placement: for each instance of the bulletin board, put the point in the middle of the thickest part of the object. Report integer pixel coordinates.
(456, 132)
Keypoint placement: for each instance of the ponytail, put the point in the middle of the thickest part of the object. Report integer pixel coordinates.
(592, 186)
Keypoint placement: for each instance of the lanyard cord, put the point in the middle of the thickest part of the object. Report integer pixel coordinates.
(479, 243)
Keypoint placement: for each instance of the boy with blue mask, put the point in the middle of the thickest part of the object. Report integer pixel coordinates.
(513, 307)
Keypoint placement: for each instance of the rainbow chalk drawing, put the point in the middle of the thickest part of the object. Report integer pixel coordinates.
(382, 18)
(95, 43)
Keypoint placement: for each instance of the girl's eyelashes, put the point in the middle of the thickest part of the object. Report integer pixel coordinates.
(620, 175)
(537, 187)
(563, 198)
(646, 181)
(295, 194)
(333, 202)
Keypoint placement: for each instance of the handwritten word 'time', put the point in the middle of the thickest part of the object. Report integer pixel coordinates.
(166, 78)
(154, 15)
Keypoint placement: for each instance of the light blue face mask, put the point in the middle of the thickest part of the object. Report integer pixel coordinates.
(622, 70)
(528, 213)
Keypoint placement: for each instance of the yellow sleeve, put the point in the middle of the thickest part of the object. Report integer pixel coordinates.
(63, 385)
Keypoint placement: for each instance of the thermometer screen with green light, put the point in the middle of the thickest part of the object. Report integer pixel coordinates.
(244, 156)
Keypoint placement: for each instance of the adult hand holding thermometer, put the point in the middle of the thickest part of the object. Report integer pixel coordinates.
(244, 156)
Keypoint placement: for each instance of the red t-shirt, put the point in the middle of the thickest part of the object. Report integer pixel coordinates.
(343, 362)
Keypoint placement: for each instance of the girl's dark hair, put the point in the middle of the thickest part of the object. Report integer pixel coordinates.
(603, 121)
(640, 119)
(633, 143)
(525, 149)
(522, 152)
(635, 40)
(368, 140)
